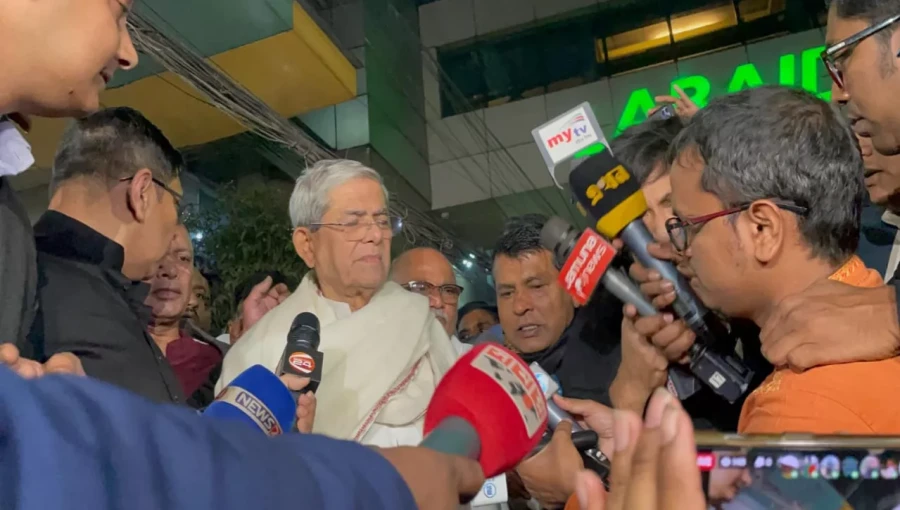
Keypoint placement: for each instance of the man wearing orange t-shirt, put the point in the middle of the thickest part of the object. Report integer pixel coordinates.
(767, 188)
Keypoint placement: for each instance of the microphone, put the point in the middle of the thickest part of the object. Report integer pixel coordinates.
(256, 397)
(593, 458)
(488, 407)
(609, 194)
(301, 355)
(579, 277)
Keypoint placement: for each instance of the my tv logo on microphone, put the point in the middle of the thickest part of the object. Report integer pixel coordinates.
(562, 137)
(573, 130)
(581, 273)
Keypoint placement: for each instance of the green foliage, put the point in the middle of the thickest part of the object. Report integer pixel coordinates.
(245, 229)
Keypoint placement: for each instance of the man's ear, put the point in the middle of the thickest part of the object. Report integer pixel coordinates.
(141, 195)
(303, 245)
(767, 230)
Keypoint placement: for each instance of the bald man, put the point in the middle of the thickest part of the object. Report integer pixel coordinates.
(427, 271)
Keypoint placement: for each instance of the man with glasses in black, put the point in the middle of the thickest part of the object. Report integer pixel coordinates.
(113, 212)
(427, 271)
(861, 55)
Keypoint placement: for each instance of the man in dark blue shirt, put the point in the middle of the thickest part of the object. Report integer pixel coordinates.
(72, 442)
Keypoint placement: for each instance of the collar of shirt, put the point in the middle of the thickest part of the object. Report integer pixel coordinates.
(67, 238)
(891, 219)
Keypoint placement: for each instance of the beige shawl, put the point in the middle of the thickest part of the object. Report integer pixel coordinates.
(376, 362)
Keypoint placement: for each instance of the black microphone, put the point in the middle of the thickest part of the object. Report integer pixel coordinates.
(607, 192)
(301, 354)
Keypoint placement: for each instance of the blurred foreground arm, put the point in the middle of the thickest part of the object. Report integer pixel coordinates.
(77, 432)
(655, 465)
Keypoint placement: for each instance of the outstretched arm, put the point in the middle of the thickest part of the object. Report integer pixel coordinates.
(69, 441)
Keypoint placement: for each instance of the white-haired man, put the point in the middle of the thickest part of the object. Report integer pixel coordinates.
(384, 350)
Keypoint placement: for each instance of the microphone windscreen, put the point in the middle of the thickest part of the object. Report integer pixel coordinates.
(305, 330)
(608, 192)
(492, 389)
(256, 397)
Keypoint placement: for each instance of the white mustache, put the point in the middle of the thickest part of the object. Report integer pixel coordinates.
(439, 313)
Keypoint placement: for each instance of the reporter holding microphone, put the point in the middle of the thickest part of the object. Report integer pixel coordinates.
(71, 430)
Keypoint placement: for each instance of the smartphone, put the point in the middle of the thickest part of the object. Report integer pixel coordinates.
(799, 471)
(666, 112)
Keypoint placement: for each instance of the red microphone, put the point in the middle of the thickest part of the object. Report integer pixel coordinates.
(488, 407)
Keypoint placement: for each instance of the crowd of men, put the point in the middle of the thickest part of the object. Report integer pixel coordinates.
(779, 208)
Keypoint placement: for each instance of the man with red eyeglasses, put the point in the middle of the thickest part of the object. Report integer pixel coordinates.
(812, 327)
(767, 189)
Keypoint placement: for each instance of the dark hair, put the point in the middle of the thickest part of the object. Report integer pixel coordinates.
(780, 143)
(243, 289)
(872, 11)
(640, 148)
(521, 235)
(113, 144)
(476, 305)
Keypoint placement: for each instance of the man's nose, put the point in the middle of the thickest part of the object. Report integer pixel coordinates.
(838, 94)
(434, 300)
(127, 55)
(521, 305)
(373, 234)
(168, 268)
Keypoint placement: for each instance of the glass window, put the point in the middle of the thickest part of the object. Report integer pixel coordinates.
(619, 37)
(462, 67)
(638, 40)
(754, 9)
(706, 21)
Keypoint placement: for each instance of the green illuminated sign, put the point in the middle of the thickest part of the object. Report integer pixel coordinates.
(745, 76)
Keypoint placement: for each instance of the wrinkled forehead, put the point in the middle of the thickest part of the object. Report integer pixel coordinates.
(181, 241)
(521, 269)
(357, 197)
(428, 266)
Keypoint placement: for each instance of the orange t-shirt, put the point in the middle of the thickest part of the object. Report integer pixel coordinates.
(851, 398)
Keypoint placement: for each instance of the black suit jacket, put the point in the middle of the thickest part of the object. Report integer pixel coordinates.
(89, 308)
(18, 267)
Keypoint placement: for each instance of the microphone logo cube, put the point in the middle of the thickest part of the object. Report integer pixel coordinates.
(582, 272)
(566, 135)
(608, 182)
(302, 362)
(516, 379)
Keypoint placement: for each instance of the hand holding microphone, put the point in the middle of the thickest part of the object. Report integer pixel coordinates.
(258, 398)
(306, 402)
(643, 367)
(549, 476)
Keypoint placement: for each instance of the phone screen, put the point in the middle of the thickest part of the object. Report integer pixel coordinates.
(801, 475)
(666, 112)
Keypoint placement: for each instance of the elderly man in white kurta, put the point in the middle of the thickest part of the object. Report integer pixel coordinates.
(384, 350)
